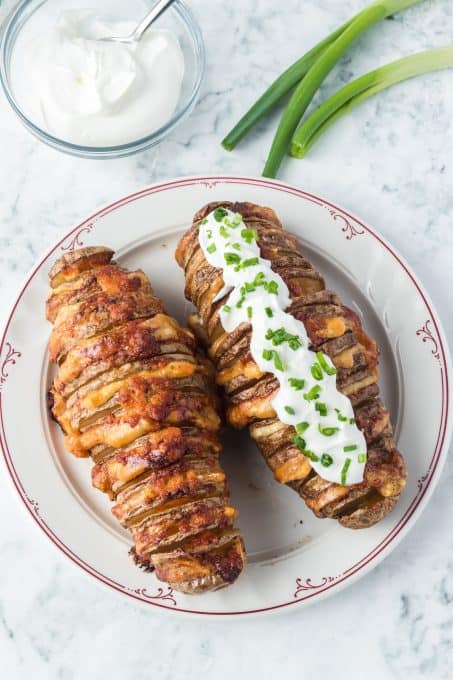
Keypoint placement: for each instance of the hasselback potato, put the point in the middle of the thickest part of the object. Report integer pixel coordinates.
(133, 392)
(333, 331)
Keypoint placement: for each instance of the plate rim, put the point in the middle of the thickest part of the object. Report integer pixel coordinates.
(426, 485)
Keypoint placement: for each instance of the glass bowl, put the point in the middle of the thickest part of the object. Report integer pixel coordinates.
(32, 17)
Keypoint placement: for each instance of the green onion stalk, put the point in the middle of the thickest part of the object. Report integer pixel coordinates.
(288, 79)
(364, 87)
(281, 86)
(307, 88)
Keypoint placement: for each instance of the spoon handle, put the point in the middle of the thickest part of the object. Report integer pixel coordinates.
(149, 18)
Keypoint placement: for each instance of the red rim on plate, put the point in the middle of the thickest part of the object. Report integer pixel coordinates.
(431, 332)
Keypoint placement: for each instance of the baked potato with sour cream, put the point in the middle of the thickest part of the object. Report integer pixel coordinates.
(332, 329)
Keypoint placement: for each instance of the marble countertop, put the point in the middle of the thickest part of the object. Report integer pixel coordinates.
(390, 162)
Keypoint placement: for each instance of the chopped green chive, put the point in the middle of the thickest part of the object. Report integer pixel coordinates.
(226, 308)
(344, 471)
(299, 442)
(316, 372)
(290, 410)
(237, 219)
(219, 214)
(326, 460)
(223, 231)
(250, 262)
(352, 421)
(269, 312)
(271, 287)
(361, 457)
(280, 336)
(297, 383)
(330, 370)
(341, 417)
(313, 393)
(249, 235)
(271, 354)
(209, 233)
(236, 246)
(327, 431)
(321, 408)
(232, 258)
(301, 427)
(212, 248)
(312, 456)
(350, 447)
(205, 221)
(249, 312)
(278, 363)
(259, 279)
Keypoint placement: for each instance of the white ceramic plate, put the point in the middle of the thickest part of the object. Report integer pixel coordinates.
(294, 558)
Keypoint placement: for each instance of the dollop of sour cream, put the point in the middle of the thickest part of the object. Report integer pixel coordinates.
(96, 93)
(307, 398)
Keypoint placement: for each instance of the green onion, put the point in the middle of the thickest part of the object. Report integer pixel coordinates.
(326, 460)
(290, 410)
(329, 370)
(316, 372)
(350, 447)
(278, 363)
(352, 421)
(209, 233)
(259, 279)
(226, 308)
(237, 219)
(301, 427)
(359, 90)
(273, 355)
(220, 213)
(299, 442)
(280, 336)
(361, 457)
(223, 231)
(297, 383)
(305, 91)
(212, 248)
(340, 416)
(251, 262)
(205, 221)
(249, 312)
(313, 393)
(249, 235)
(344, 471)
(269, 312)
(321, 408)
(281, 86)
(312, 456)
(327, 431)
(271, 287)
(232, 258)
(236, 246)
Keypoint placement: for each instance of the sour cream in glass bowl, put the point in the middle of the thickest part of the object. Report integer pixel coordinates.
(98, 99)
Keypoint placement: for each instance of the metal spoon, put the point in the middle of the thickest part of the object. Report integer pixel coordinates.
(144, 24)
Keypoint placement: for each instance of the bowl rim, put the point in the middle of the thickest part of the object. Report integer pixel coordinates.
(9, 33)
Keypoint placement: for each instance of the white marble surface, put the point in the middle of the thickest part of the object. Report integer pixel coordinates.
(392, 163)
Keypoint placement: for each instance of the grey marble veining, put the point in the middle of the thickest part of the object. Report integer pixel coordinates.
(390, 162)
